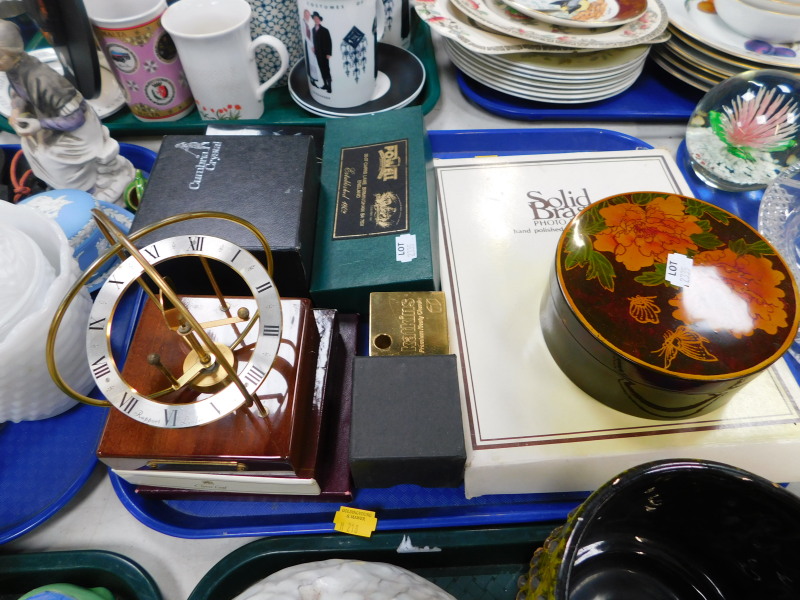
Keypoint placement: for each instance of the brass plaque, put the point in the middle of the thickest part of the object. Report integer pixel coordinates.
(407, 323)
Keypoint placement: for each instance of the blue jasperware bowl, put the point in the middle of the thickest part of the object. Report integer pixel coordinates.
(71, 209)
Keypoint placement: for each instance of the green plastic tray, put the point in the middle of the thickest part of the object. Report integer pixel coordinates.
(470, 563)
(279, 108)
(21, 573)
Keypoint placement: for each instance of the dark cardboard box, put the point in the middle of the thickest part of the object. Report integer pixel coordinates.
(377, 197)
(406, 425)
(271, 181)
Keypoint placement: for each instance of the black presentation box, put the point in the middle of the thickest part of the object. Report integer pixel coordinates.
(406, 425)
(271, 181)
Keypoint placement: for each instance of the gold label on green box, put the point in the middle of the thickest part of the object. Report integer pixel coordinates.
(372, 192)
(407, 323)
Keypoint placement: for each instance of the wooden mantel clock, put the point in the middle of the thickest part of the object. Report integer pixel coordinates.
(209, 382)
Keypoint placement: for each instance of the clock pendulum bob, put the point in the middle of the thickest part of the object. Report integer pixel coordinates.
(239, 441)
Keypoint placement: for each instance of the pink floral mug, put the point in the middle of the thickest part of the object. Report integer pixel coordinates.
(219, 58)
(142, 57)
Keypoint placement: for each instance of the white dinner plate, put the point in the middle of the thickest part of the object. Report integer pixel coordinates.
(544, 94)
(579, 67)
(491, 79)
(543, 80)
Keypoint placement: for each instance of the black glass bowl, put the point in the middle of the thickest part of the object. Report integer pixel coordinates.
(674, 530)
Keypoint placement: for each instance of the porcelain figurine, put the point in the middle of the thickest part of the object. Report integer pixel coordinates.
(62, 137)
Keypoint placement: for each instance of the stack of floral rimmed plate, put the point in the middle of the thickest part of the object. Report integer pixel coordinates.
(703, 50)
(555, 51)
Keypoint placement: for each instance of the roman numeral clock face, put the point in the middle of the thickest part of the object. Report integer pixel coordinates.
(246, 334)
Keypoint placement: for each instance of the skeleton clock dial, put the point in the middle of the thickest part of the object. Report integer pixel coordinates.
(225, 344)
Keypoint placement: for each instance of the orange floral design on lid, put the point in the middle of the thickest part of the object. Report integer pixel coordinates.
(676, 284)
(753, 279)
(640, 236)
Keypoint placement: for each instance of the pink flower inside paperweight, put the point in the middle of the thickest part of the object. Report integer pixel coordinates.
(745, 130)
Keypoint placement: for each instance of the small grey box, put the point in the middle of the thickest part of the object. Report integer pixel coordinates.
(407, 425)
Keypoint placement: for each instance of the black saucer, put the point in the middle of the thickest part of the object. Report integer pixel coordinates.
(404, 70)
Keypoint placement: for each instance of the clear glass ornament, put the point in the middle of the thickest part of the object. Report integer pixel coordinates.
(745, 130)
(779, 223)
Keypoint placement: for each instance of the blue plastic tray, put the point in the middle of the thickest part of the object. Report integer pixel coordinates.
(44, 463)
(401, 507)
(407, 507)
(656, 96)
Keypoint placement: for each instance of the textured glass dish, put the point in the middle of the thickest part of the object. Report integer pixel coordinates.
(745, 130)
(779, 223)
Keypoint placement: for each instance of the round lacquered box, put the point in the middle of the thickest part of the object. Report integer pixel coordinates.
(662, 306)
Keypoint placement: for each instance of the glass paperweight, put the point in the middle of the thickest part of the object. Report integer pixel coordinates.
(779, 223)
(745, 130)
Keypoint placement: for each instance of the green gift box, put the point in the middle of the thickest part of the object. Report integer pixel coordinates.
(376, 221)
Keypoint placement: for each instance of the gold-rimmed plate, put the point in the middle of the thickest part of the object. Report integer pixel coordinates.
(701, 82)
(690, 54)
(704, 52)
(701, 67)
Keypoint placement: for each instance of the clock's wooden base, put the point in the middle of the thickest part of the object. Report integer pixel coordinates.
(333, 468)
(242, 440)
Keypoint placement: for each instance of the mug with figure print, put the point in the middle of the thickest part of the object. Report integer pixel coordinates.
(341, 44)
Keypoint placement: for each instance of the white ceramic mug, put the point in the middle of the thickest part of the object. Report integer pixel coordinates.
(219, 58)
(341, 39)
(142, 56)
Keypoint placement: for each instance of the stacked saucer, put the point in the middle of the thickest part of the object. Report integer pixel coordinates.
(703, 50)
(555, 51)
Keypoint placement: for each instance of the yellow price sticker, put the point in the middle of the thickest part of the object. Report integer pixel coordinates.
(355, 521)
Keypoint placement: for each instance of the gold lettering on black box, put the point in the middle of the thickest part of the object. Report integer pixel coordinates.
(372, 193)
